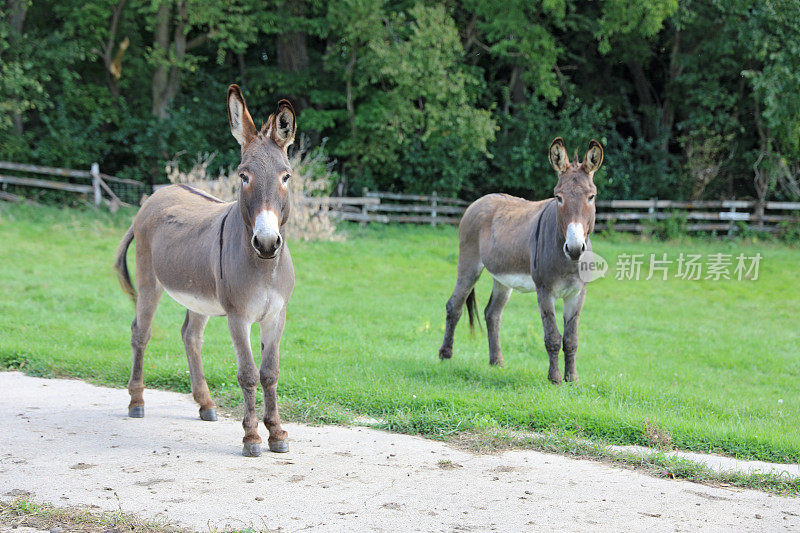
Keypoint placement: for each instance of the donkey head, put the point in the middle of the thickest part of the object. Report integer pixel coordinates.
(575, 194)
(264, 171)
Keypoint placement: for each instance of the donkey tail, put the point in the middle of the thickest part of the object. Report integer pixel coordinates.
(472, 311)
(121, 265)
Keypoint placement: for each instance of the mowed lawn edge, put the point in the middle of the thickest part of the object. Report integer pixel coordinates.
(705, 365)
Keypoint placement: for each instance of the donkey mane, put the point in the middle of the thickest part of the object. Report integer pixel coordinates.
(200, 193)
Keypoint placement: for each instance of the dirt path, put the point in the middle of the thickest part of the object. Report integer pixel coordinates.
(70, 443)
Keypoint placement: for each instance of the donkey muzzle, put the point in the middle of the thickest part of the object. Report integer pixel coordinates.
(575, 241)
(266, 240)
(267, 247)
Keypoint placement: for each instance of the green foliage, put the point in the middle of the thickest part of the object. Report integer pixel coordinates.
(672, 227)
(462, 98)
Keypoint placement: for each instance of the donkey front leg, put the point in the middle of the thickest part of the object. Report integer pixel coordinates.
(271, 332)
(552, 338)
(248, 379)
(572, 312)
(192, 334)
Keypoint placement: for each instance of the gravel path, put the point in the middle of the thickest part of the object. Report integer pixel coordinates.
(70, 443)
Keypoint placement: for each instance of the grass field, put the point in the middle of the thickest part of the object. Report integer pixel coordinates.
(712, 365)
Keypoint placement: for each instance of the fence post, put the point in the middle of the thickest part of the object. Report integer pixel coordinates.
(653, 210)
(364, 192)
(732, 226)
(760, 204)
(434, 203)
(98, 195)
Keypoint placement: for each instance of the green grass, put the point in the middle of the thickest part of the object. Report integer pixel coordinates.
(714, 366)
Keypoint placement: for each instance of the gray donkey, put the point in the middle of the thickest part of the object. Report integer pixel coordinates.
(221, 259)
(530, 246)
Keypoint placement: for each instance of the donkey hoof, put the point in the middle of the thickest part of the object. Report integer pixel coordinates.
(278, 446)
(572, 378)
(251, 449)
(445, 353)
(209, 415)
(137, 411)
(555, 379)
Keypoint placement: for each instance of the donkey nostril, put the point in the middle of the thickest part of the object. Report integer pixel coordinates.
(583, 247)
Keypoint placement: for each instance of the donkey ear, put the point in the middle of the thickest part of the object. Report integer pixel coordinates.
(283, 124)
(242, 126)
(558, 155)
(594, 157)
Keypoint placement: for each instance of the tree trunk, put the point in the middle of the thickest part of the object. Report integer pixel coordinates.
(167, 77)
(179, 46)
(761, 177)
(17, 10)
(292, 50)
(161, 47)
(518, 87)
(668, 110)
(643, 91)
(113, 62)
(351, 112)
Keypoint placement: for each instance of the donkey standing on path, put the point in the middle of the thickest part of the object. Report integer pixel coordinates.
(221, 259)
(530, 246)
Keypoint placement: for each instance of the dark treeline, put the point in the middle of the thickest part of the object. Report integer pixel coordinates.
(692, 99)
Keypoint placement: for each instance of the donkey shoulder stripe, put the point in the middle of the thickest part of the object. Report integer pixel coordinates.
(536, 235)
(221, 231)
(200, 193)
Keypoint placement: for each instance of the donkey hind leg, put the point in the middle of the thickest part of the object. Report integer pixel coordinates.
(192, 334)
(572, 312)
(248, 380)
(493, 314)
(271, 332)
(552, 338)
(469, 270)
(150, 291)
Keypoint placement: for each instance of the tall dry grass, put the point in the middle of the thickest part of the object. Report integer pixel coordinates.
(310, 218)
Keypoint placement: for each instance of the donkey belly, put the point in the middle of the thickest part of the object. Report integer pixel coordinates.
(518, 282)
(197, 302)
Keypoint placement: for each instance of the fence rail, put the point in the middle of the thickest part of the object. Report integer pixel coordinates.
(621, 215)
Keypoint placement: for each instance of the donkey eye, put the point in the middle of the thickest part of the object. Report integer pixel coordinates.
(591, 198)
(245, 177)
(559, 199)
(286, 177)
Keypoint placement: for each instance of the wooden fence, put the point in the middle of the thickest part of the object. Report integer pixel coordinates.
(621, 215)
(101, 187)
(387, 207)
(702, 216)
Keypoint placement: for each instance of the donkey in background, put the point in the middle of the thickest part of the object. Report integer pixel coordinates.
(530, 246)
(221, 259)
